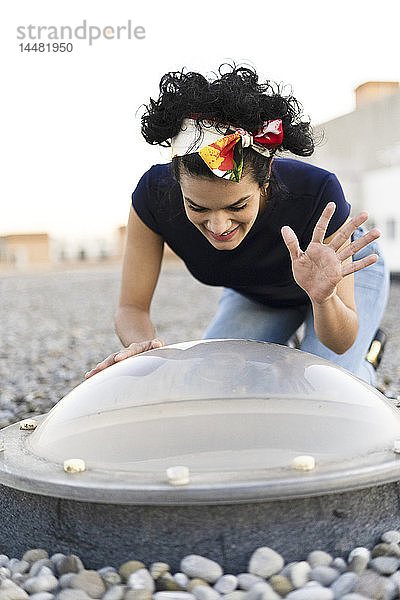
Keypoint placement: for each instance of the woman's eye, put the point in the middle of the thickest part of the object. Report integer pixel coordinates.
(195, 209)
(238, 207)
(232, 208)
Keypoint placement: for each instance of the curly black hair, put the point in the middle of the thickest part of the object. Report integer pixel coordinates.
(234, 97)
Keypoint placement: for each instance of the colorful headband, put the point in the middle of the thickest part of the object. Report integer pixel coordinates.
(224, 155)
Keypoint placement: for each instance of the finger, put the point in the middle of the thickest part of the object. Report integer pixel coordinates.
(138, 348)
(357, 265)
(347, 230)
(323, 222)
(291, 241)
(361, 242)
(107, 362)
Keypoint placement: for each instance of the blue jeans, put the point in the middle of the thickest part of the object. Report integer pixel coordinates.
(242, 318)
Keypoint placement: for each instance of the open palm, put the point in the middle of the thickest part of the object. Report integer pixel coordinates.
(320, 268)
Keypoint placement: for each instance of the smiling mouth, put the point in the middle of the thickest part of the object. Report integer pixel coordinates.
(224, 236)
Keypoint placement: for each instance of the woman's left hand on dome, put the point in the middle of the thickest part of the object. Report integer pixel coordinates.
(325, 262)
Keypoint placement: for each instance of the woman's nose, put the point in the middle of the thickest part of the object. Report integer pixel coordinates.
(218, 223)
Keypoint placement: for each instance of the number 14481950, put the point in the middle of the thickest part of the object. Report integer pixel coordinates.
(42, 47)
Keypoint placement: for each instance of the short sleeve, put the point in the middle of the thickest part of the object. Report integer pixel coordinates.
(144, 198)
(330, 191)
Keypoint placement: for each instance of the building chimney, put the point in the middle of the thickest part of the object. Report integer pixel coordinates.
(374, 90)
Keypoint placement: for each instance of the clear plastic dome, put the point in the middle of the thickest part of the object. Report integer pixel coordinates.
(218, 406)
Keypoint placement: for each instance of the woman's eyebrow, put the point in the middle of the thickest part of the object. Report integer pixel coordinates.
(230, 205)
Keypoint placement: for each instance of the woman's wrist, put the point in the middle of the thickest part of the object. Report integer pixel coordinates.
(318, 301)
(133, 325)
(335, 324)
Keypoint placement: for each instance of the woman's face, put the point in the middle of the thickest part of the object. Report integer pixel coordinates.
(224, 211)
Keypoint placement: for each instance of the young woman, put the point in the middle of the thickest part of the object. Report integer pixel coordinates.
(274, 232)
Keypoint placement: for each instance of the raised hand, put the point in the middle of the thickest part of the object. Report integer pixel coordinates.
(320, 268)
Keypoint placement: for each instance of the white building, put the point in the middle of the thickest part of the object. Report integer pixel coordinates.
(363, 149)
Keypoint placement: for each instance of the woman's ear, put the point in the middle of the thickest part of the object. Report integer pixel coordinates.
(264, 189)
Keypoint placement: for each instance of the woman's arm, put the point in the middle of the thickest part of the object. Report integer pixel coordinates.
(140, 271)
(324, 270)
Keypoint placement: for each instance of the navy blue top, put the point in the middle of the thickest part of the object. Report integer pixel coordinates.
(259, 267)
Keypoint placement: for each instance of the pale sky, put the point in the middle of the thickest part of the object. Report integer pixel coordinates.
(71, 150)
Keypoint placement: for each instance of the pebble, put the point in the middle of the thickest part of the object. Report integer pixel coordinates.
(141, 580)
(246, 580)
(354, 596)
(65, 579)
(4, 573)
(41, 596)
(167, 583)
(129, 567)
(344, 584)
(358, 559)
(385, 549)
(265, 562)
(280, 584)
(69, 564)
(391, 537)
(116, 592)
(35, 554)
(311, 593)
(138, 595)
(205, 592)
(11, 591)
(299, 573)
(105, 570)
(37, 565)
(226, 584)
(371, 584)
(391, 590)
(181, 579)
(18, 566)
(358, 564)
(42, 583)
(319, 558)
(20, 578)
(396, 579)
(45, 570)
(72, 594)
(4, 560)
(90, 582)
(385, 565)
(111, 578)
(195, 565)
(193, 582)
(286, 569)
(55, 558)
(158, 568)
(236, 595)
(339, 564)
(262, 591)
(173, 596)
(324, 575)
(359, 551)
